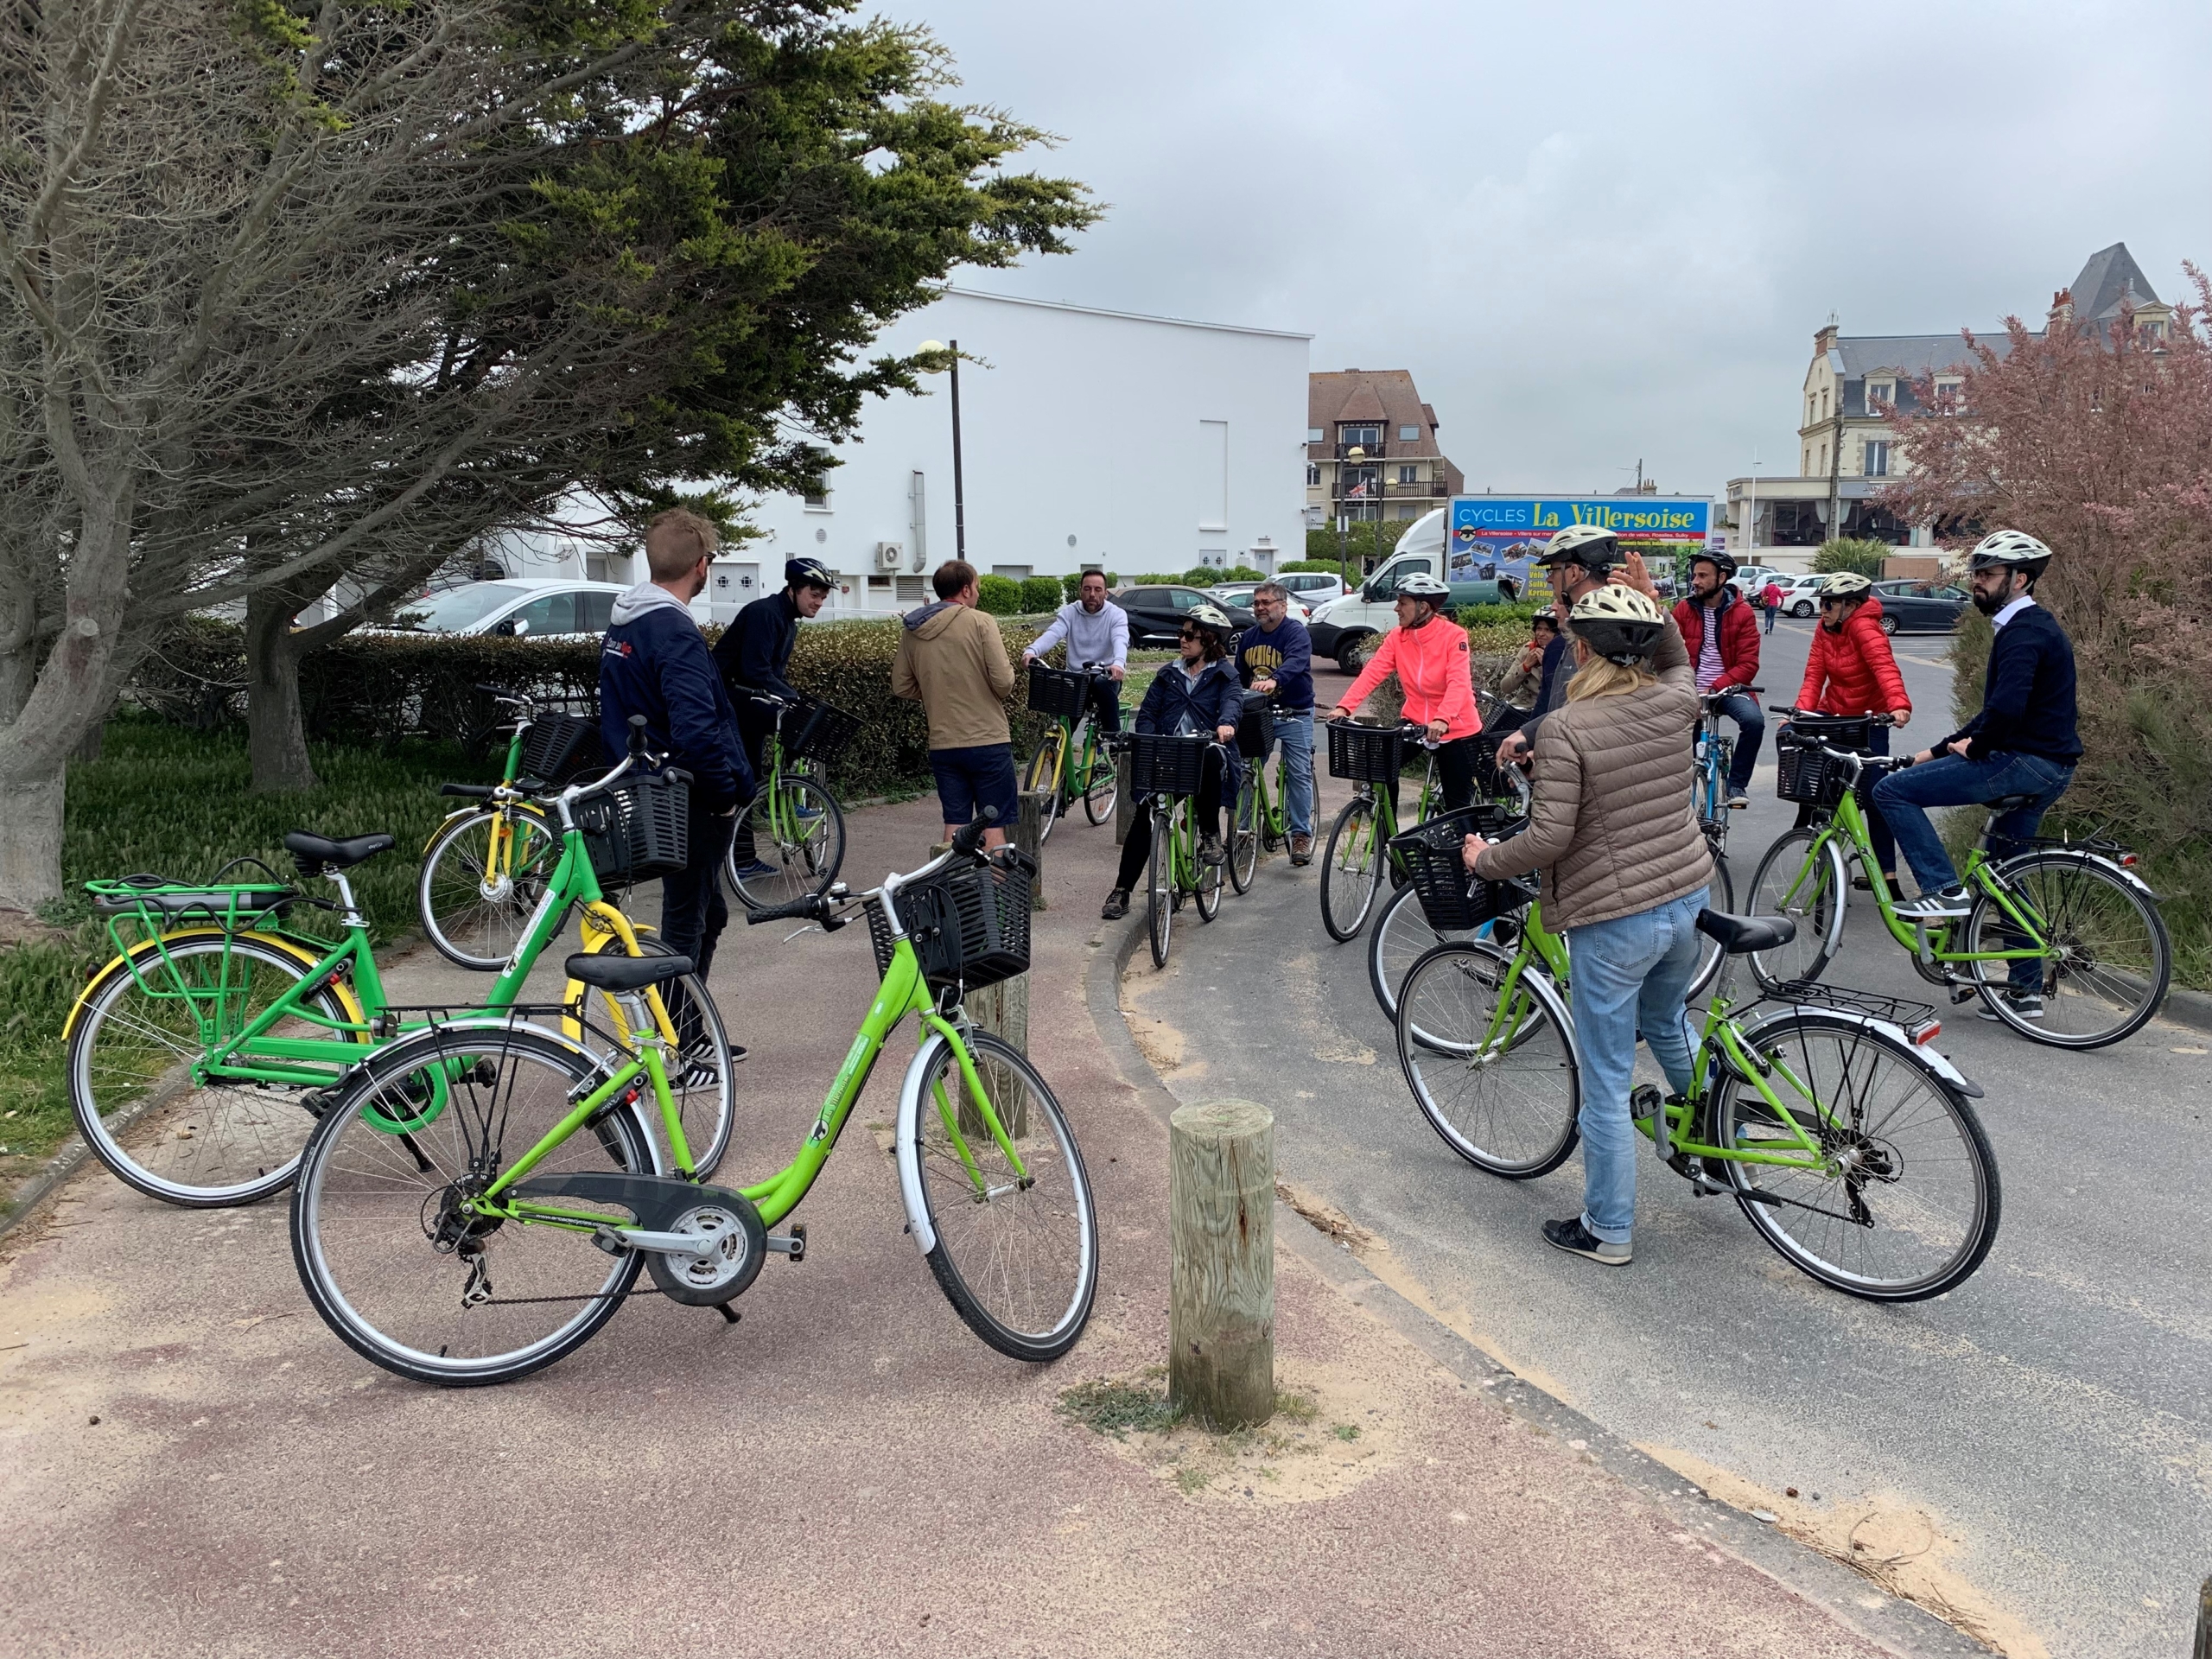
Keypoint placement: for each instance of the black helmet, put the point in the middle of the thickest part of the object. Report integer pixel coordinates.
(808, 572)
(1719, 558)
(1618, 623)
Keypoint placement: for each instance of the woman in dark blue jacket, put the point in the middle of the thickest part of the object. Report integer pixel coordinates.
(1200, 695)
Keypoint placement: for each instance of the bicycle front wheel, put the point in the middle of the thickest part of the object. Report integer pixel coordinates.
(1491, 1068)
(700, 1085)
(395, 1264)
(1043, 778)
(1903, 1201)
(799, 844)
(1348, 871)
(139, 1037)
(1245, 836)
(1160, 888)
(1809, 888)
(2107, 959)
(1401, 938)
(1209, 881)
(482, 877)
(1016, 1234)
(1102, 786)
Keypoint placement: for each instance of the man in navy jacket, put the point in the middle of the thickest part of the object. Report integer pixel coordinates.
(1275, 656)
(654, 662)
(753, 654)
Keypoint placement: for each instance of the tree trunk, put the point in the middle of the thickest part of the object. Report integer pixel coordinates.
(30, 837)
(18, 646)
(277, 740)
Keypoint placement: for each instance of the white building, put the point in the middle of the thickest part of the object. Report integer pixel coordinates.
(1090, 440)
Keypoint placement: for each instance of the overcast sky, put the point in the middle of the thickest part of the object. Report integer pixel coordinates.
(1599, 232)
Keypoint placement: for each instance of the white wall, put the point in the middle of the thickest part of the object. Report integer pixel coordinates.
(1087, 438)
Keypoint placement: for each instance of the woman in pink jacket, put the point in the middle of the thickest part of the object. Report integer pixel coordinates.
(1429, 653)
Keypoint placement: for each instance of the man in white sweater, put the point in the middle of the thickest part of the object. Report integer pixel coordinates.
(1096, 632)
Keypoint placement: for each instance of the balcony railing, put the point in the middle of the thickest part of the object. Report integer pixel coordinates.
(1374, 451)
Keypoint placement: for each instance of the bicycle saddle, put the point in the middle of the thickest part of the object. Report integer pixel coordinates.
(317, 853)
(624, 973)
(2011, 803)
(1738, 934)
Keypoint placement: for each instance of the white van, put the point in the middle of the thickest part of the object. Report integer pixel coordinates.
(1349, 629)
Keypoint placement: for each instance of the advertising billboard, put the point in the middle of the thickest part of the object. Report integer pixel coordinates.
(1495, 536)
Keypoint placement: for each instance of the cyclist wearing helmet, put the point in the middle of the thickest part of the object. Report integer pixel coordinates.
(1427, 650)
(1851, 671)
(1723, 645)
(1198, 694)
(2024, 742)
(753, 654)
(1578, 560)
(1525, 677)
(1625, 871)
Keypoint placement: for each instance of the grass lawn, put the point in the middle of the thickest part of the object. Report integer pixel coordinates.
(175, 802)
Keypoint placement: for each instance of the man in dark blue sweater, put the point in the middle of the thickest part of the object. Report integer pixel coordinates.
(752, 655)
(654, 662)
(1275, 657)
(2024, 742)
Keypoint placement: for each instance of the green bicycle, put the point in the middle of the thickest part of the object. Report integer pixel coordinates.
(1849, 1146)
(1371, 757)
(2075, 910)
(1168, 769)
(789, 842)
(1073, 759)
(200, 1057)
(457, 1246)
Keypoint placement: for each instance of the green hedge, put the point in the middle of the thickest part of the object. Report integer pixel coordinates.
(1041, 594)
(1001, 595)
(1071, 584)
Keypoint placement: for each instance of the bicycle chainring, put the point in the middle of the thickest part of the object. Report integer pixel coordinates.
(740, 1245)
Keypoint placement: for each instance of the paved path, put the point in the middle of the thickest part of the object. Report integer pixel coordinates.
(191, 1463)
(2035, 1448)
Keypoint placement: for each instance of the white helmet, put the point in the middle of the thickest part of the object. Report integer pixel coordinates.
(1592, 546)
(1846, 584)
(1618, 623)
(1420, 585)
(2010, 550)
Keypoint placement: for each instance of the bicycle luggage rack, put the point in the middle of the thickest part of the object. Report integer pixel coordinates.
(157, 906)
(1452, 899)
(1164, 765)
(1919, 1021)
(1059, 692)
(1365, 754)
(969, 928)
(818, 731)
(640, 828)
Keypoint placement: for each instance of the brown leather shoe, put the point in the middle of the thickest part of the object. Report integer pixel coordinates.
(1302, 850)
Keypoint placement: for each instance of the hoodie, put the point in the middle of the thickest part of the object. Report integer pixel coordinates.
(952, 660)
(653, 662)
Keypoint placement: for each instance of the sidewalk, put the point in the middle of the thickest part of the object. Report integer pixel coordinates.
(192, 1463)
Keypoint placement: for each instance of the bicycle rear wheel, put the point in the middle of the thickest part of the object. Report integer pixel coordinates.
(700, 1083)
(392, 1264)
(1103, 785)
(482, 877)
(1348, 870)
(1809, 888)
(1043, 777)
(2109, 960)
(1495, 1074)
(798, 834)
(1401, 938)
(1210, 878)
(1015, 1250)
(1905, 1203)
(1245, 836)
(1722, 898)
(1160, 888)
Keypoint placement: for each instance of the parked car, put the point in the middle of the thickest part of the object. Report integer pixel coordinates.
(540, 609)
(1801, 596)
(1750, 578)
(1156, 611)
(1920, 607)
(1349, 628)
(1240, 593)
(1313, 588)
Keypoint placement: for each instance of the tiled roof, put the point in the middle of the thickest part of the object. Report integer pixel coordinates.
(2111, 276)
(1384, 395)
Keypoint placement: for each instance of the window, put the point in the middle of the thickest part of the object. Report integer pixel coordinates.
(1408, 511)
(1315, 434)
(594, 612)
(553, 613)
(1313, 474)
(1015, 572)
(1824, 458)
(1824, 403)
(1878, 459)
(817, 501)
(1409, 434)
(1947, 389)
(1367, 438)
(1880, 391)
(1408, 475)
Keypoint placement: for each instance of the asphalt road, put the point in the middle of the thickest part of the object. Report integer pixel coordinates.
(2033, 1450)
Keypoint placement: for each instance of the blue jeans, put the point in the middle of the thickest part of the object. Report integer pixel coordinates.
(1772, 611)
(1750, 728)
(1631, 979)
(1296, 734)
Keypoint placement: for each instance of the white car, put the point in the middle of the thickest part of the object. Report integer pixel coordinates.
(1801, 596)
(1240, 593)
(518, 608)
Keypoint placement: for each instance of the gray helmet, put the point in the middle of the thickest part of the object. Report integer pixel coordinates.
(1590, 546)
(1420, 585)
(1209, 616)
(1847, 584)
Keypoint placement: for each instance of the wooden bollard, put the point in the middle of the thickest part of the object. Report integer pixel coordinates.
(1221, 1322)
(2204, 1621)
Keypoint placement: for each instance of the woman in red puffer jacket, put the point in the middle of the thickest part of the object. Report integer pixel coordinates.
(1852, 672)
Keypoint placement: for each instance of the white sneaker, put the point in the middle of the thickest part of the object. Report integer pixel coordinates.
(1935, 907)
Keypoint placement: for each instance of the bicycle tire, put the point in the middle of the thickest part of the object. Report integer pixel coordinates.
(801, 866)
(1812, 1042)
(2128, 976)
(1720, 896)
(1348, 871)
(472, 922)
(1160, 888)
(364, 1287)
(1103, 787)
(1244, 839)
(1064, 1222)
(1208, 878)
(1524, 1122)
(167, 1137)
(1043, 778)
(1818, 910)
(1399, 937)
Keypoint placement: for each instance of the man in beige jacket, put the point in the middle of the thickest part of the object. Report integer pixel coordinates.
(952, 661)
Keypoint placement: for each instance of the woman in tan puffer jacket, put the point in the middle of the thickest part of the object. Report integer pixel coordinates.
(1625, 871)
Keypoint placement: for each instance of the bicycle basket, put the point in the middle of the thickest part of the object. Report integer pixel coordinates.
(559, 748)
(817, 731)
(1161, 765)
(1453, 900)
(639, 828)
(971, 928)
(1255, 728)
(1803, 775)
(1056, 692)
(1365, 754)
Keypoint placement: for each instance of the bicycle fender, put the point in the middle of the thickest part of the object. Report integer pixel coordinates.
(907, 1139)
(1937, 1060)
(2083, 856)
(299, 954)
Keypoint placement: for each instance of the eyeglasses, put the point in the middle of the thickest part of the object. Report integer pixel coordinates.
(1191, 633)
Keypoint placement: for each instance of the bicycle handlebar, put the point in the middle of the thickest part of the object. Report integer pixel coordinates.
(814, 907)
(1870, 715)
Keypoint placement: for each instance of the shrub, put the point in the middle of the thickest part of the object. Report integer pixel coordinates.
(1367, 544)
(1001, 595)
(1041, 593)
(1317, 567)
(1865, 557)
(1207, 575)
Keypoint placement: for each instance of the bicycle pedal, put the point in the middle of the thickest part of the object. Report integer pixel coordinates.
(1963, 993)
(1645, 1099)
(793, 1246)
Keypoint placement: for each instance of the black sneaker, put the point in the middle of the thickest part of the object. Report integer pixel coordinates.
(1935, 907)
(1210, 850)
(2028, 1005)
(1574, 1238)
(1116, 905)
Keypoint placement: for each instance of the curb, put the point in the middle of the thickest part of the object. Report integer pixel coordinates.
(23, 1202)
(1857, 1603)
(2186, 1008)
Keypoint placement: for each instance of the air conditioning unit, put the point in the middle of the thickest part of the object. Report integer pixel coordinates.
(889, 556)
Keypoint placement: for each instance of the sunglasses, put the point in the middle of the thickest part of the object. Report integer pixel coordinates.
(1191, 633)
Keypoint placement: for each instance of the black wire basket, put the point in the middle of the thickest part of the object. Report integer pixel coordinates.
(639, 828)
(1801, 772)
(1366, 754)
(818, 731)
(559, 748)
(1057, 692)
(1162, 765)
(1255, 728)
(1453, 900)
(969, 928)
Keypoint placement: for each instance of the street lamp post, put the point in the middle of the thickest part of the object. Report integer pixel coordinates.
(950, 351)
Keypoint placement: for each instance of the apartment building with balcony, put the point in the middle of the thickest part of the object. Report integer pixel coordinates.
(1846, 450)
(1371, 449)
